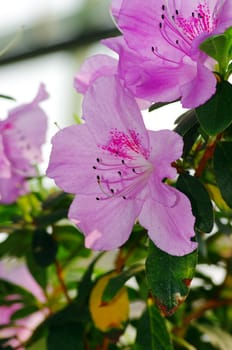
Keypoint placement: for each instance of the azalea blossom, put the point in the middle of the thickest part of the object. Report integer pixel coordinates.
(102, 65)
(22, 134)
(19, 330)
(116, 168)
(160, 58)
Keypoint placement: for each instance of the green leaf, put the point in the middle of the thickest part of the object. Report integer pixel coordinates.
(152, 332)
(7, 288)
(219, 47)
(67, 336)
(216, 114)
(39, 345)
(116, 283)
(17, 244)
(44, 248)
(200, 200)
(7, 97)
(169, 277)
(223, 170)
(39, 273)
(160, 104)
(24, 312)
(186, 122)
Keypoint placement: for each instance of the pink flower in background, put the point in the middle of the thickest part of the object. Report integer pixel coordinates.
(94, 67)
(19, 330)
(167, 63)
(103, 65)
(21, 137)
(116, 169)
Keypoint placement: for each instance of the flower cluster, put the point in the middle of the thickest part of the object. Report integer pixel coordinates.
(159, 55)
(19, 330)
(22, 134)
(114, 166)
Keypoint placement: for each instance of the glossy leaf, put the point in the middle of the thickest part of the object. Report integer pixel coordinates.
(216, 114)
(44, 248)
(223, 170)
(200, 200)
(169, 277)
(67, 336)
(152, 332)
(219, 47)
(117, 282)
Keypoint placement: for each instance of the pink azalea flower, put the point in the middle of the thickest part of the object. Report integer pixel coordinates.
(165, 37)
(116, 169)
(21, 137)
(101, 65)
(20, 330)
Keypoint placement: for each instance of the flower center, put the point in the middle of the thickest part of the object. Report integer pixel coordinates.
(122, 168)
(179, 31)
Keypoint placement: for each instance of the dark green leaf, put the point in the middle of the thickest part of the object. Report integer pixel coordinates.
(216, 114)
(7, 97)
(186, 122)
(39, 273)
(152, 332)
(7, 288)
(86, 284)
(66, 336)
(44, 248)
(169, 277)
(17, 243)
(200, 200)
(24, 312)
(160, 104)
(223, 170)
(116, 283)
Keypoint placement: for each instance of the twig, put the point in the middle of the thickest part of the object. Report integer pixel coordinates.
(61, 280)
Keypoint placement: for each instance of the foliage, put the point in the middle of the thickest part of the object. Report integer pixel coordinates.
(83, 301)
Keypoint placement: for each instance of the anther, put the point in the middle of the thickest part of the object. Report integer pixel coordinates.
(98, 160)
(177, 42)
(112, 190)
(97, 198)
(133, 170)
(163, 7)
(119, 173)
(193, 14)
(173, 17)
(123, 197)
(98, 178)
(162, 16)
(94, 167)
(177, 12)
(123, 161)
(160, 25)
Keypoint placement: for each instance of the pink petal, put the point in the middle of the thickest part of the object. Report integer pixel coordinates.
(115, 8)
(5, 166)
(92, 68)
(113, 107)
(164, 153)
(106, 224)
(200, 89)
(170, 228)
(30, 120)
(11, 188)
(72, 158)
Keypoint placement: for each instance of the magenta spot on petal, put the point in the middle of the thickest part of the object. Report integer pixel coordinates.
(123, 145)
(8, 126)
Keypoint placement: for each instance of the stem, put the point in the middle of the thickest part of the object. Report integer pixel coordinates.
(208, 154)
(211, 304)
(59, 273)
